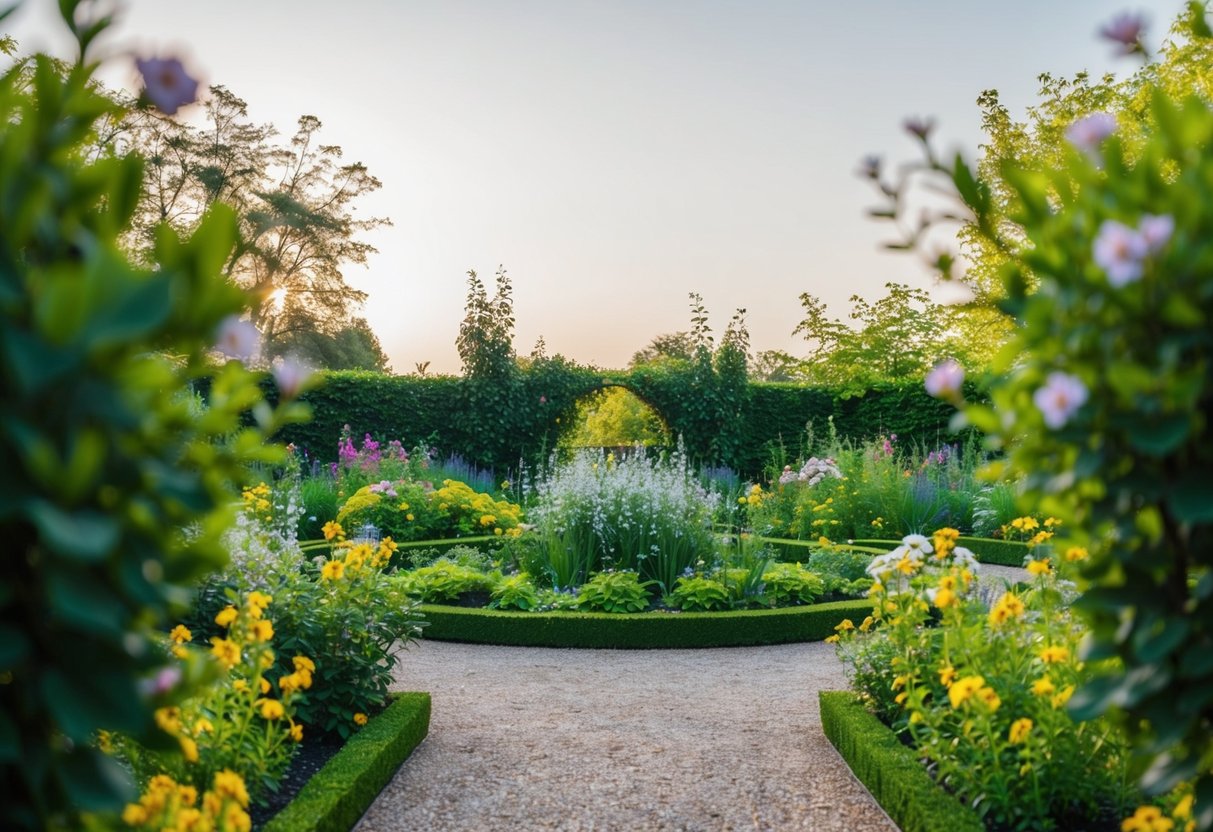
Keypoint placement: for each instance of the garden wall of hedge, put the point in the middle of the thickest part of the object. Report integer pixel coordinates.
(539, 403)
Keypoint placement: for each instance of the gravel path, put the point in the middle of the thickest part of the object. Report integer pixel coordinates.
(537, 738)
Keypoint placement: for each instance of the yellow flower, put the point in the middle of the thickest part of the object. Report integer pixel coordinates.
(360, 719)
(257, 602)
(1183, 809)
(332, 570)
(189, 749)
(844, 625)
(180, 634)
(264, 684)
(188, 795)
(1050, 522)
(990, 698)
(332, 529)
(409, 517)
(134, 815)
(296, 732)
(832, 639)
(945, 598)
(304, 663)
(1007, 607)
(1019, 731)
(240, 686)
(1053, 655)
(1076, 553)
(271, 708)
(963, 689)
(226, 616)
(906, 566)
(202, 726)
(1063, 696)
(226, 651)
(263, 630)
(230, 784)
(1147, 819)
(867, 624)
(946, 675)
(1039, 567)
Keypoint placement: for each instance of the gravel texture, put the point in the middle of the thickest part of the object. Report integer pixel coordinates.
(538, 738)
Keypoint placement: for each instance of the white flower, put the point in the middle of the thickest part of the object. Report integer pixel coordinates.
(965, 558)
(236, 338)
(166, 83)
(917, 543)
(944, 380)
(1125, 29)
(1156, 231)
(1119, 251)
(291, 374)
(1089, 132)
(1060, 398)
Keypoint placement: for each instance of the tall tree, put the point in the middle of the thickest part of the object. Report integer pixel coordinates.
(672, 346)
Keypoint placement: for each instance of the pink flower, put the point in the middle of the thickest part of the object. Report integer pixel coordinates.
(1156, 231)
(944, 380)
(236, 338)
(1060, 398)
(291, 374)
(1089, 132)
(166, 84)
(1119, 251)
(920, 127)
(1125, 29)
(164, 681)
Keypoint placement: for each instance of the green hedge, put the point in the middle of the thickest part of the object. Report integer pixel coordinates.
(540, 402)
(650, 630)
(338, 795)
(998, 552)
(900, 784)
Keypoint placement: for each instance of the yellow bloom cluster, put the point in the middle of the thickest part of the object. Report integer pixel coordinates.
(973, 689)
(333, 531)
(168, 805)
(257, 501)
(1019, 731)
(357, 558)
(1147, 819)
(1006, 608)
(470, 509)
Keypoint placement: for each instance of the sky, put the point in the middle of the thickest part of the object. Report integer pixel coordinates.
(616, 156)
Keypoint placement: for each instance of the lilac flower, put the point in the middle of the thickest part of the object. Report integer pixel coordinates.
(1119, 251)
(1089, 132)
(869, 167)
(164, 681)
(236, 338)
(166, 84)
(945, 379)
(1060, 398)
(384, 487)
(920, 127)
(346, 453)
(291, 374)
(1125, 29)
(1156, 231)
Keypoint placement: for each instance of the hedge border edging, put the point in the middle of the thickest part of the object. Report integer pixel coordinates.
(340, 793)
(639, 631)
(891, 772)
(997, 552)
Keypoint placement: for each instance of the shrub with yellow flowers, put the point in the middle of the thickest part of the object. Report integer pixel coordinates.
(978, 679)
(244, 726)
(167, 804)
(408, 510)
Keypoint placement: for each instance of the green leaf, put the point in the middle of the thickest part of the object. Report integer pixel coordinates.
(95, 782)
(33, 363)
(1154, 648)
(1192, 498)
(14, 647)
(81, 704)
(80, 600)
(84, 535)
(1159, 435)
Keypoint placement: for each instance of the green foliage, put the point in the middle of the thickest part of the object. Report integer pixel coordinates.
(516, 592)
(443, 581)
(649, 630)
(612, 418)
(790, 583)
(614, 592)
(340, 793)
(901, 785)
(1102, 394)
(699, 594)
(106, 456)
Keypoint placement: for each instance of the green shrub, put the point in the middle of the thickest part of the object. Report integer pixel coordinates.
(839, 562)
(320, 505)
(614, 592)
(791, 583)
(106, 454)
(700, 594)
(443, 581)
(515, 592)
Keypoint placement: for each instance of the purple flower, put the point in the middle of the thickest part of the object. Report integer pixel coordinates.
(236, 338)
(869, 167)
(166, 84)
(1089, 132)
(1156, 231)
(1119, 251)
(1125, 29)
(384, 487)
(291, 374)
(1060, 398)
(164, 681)
(920, 127)
(944, 380)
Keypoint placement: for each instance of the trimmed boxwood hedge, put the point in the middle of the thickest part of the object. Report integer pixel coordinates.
(649, 630)
(998, 552)
(900, 784)
(338, 795)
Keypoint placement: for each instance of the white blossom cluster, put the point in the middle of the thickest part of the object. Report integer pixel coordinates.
(812, 472)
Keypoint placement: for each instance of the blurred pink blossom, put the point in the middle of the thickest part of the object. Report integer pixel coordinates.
(236, 338)
(1089, 132)
(1156, 231)
(166, 84)
(291, 374)
(1119, 251)
(1060, 398)
(1126, 30)
(944, 380)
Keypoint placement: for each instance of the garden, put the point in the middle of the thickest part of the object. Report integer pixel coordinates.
(217, 563)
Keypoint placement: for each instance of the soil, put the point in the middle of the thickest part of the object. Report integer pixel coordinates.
(309, 759)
